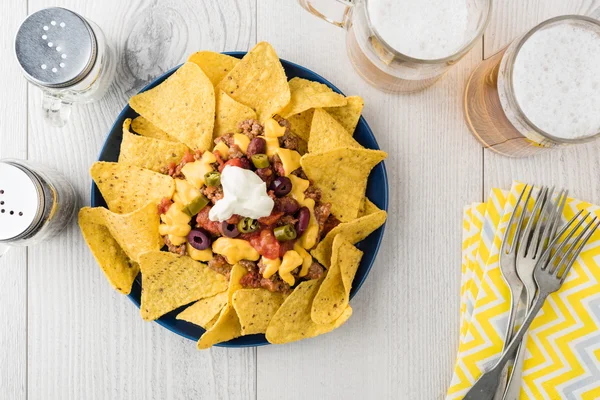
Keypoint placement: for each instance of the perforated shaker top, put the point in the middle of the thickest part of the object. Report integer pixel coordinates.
(55, 47)
(19, 201)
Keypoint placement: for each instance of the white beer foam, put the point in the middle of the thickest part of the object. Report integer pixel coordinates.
(556, 80)
(423, 29)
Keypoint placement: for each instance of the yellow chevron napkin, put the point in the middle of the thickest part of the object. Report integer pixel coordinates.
(563, 347)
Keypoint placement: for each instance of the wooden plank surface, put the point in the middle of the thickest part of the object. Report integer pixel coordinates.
(401, 339)
(85, 340)
(13, 266)
(68, 335)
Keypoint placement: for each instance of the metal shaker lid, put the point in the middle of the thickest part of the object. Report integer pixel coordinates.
(55, 47)
(21, 198)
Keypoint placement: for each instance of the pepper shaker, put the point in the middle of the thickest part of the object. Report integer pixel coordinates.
(66, 56)
(36, 203)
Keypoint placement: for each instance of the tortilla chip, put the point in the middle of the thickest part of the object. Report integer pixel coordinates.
(255, 308)
(170, 281)
(126, 188)
(367, 208)
(349, 114)
(227, 326)
(215, 65)
(334, 294)
(142, 126)
(183, 106)
(327, 134)
(293, 322)
(301, 124)
(307, 94)
(229, 114)
(119, 269)
(353, 231)
(149, 153)
(342, 175)
(204, 311)
(259, 82)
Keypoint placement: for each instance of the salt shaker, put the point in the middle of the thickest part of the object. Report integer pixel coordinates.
(36, 203)
(66, 56)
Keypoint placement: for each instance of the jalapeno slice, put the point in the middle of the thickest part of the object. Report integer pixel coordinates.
(260, 160)
(248, 225)
(285, 233)
(212, 178)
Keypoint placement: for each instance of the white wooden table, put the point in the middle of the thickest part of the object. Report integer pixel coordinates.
(65, 334)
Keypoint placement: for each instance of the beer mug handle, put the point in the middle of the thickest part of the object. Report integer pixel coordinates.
(56, 110)
(339, 8)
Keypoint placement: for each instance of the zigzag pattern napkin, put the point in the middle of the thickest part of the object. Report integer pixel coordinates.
(563, 348)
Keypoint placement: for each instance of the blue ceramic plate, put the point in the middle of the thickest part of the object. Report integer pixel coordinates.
(377, 192)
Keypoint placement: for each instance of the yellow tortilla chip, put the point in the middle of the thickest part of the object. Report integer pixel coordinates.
(126, 188)
(204, 311)
(353, 231)
(227, 326)
(119, 269)
(259, 82)
(142, 126)
(342, 175)
(301, 123)
(215, 65)
(183, 106)
(327, 134)
(293, 321)
(255, 308)
(118, 240)
(334, 294)
(229, 114)
(307, 94)
(349, 114)
(170, 281)
(367, 208)
(149, 153)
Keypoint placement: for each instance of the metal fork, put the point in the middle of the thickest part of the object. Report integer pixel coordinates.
(549, 279)
(529, 252)
(508, 268)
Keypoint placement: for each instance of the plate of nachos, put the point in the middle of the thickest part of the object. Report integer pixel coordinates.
(239, 200)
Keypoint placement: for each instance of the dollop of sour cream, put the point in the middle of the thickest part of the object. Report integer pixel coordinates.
(245, 194)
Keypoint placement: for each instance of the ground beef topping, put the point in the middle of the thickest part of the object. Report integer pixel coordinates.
(275, 284)
(164, 205)
(235, 151)
(174, 249)
(251, 128)
(227, 139)
(266, 174)
(322, 213)
(329, 224)
(220, 265)
(174, 170)
(277, 165)
(315, 271)
(313, 192)
(213, 193)
(300, 173)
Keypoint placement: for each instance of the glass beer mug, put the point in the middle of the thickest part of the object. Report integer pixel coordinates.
(405, 46)
(540, 92)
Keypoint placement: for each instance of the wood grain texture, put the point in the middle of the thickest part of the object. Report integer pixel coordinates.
(512, 18)
(67, 335)
(576, 168)
(85, 340)
(401, 339)
(13, 266)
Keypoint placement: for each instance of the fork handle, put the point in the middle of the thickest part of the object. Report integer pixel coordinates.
(487, 384)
